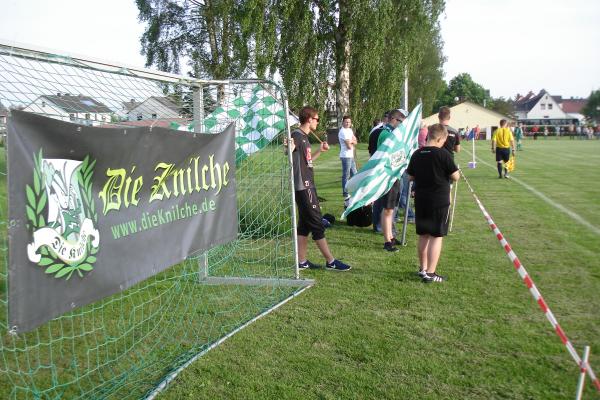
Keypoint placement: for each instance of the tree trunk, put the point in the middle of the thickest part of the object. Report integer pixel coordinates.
(342, 60)
(342, 87)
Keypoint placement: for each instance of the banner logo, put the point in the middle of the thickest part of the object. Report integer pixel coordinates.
(398, 158)
(65, 238)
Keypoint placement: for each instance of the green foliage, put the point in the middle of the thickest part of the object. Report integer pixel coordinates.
(503, 106)
(592, 107)
(315, 45)
(390, 36)
(222, 38)
(460, 88)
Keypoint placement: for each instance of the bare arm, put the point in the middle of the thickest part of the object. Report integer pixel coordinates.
(323, 147)
(349, 143)
(455, 176)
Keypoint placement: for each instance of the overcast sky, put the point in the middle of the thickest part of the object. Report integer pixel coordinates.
(513, 46)
(508, 46)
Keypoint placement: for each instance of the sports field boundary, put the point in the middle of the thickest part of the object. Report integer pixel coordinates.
(576, 217)
(534, 290)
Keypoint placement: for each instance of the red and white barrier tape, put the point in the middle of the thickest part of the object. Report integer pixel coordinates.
(534, 291)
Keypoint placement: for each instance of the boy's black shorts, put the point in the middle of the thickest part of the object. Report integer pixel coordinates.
(432, 220)
(390, 199)
(310, 219)
(502, 154)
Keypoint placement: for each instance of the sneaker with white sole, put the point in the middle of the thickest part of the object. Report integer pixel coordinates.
(422, 273)
(430, 278)
(337, 265)
(308, 265)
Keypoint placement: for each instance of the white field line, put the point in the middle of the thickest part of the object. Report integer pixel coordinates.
(542, 196)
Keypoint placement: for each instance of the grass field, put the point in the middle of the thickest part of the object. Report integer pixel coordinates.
(378, 332)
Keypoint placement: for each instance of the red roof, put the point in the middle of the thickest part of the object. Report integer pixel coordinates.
(573, 106)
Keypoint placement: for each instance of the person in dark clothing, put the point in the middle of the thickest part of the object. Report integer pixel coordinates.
(310, 219)
(452, 143)
(432, 169)
(373, 139)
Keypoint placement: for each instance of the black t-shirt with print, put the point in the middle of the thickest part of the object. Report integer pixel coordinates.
(302, 159)
(452, 140)
(431, 167)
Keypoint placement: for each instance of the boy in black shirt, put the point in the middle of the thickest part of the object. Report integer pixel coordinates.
(310, 219)
(431, 168)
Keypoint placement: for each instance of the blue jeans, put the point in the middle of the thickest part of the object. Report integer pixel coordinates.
(404, 184)
(348, 171)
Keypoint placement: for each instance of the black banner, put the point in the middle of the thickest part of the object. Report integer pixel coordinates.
(94, 210)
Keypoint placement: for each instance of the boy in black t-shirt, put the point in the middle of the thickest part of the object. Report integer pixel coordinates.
(310, 219)
(432, 168)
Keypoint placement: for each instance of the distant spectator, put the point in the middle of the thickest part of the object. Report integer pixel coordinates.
(476, 132)
(519, 135)
(348, 142)
(571, 131)
(535, 131)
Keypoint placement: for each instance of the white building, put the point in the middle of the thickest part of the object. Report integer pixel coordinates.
(545, 109)
(154, 107)
(74, 108)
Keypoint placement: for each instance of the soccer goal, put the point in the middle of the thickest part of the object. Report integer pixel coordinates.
(95, 322)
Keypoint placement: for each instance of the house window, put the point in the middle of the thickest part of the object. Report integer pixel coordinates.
(72, 117)
(104, 118)
(154, 116)
(549, 106)
(87, 116)
(139, 117)
(543, 106)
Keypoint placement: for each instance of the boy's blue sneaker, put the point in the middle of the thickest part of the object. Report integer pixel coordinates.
(307, 264)
(337, 265)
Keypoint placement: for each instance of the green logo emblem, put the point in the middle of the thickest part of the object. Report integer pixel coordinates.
(62, 216)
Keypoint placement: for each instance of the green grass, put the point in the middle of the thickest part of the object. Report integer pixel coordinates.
(378, 332)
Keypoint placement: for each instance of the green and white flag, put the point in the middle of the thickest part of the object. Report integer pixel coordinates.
(258, 115)
(387, 165)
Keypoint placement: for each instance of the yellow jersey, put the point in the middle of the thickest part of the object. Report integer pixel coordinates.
(502, 137)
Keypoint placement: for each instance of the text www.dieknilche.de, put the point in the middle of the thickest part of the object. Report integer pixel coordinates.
(161, 217)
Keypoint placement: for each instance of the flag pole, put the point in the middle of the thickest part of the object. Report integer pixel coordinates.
(316, 137)
(404, 227)
(473, 164)
(454, 203)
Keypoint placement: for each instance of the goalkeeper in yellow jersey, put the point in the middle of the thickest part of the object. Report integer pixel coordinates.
(503, 143)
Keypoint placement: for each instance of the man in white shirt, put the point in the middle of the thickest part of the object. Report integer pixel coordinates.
(347, 141)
